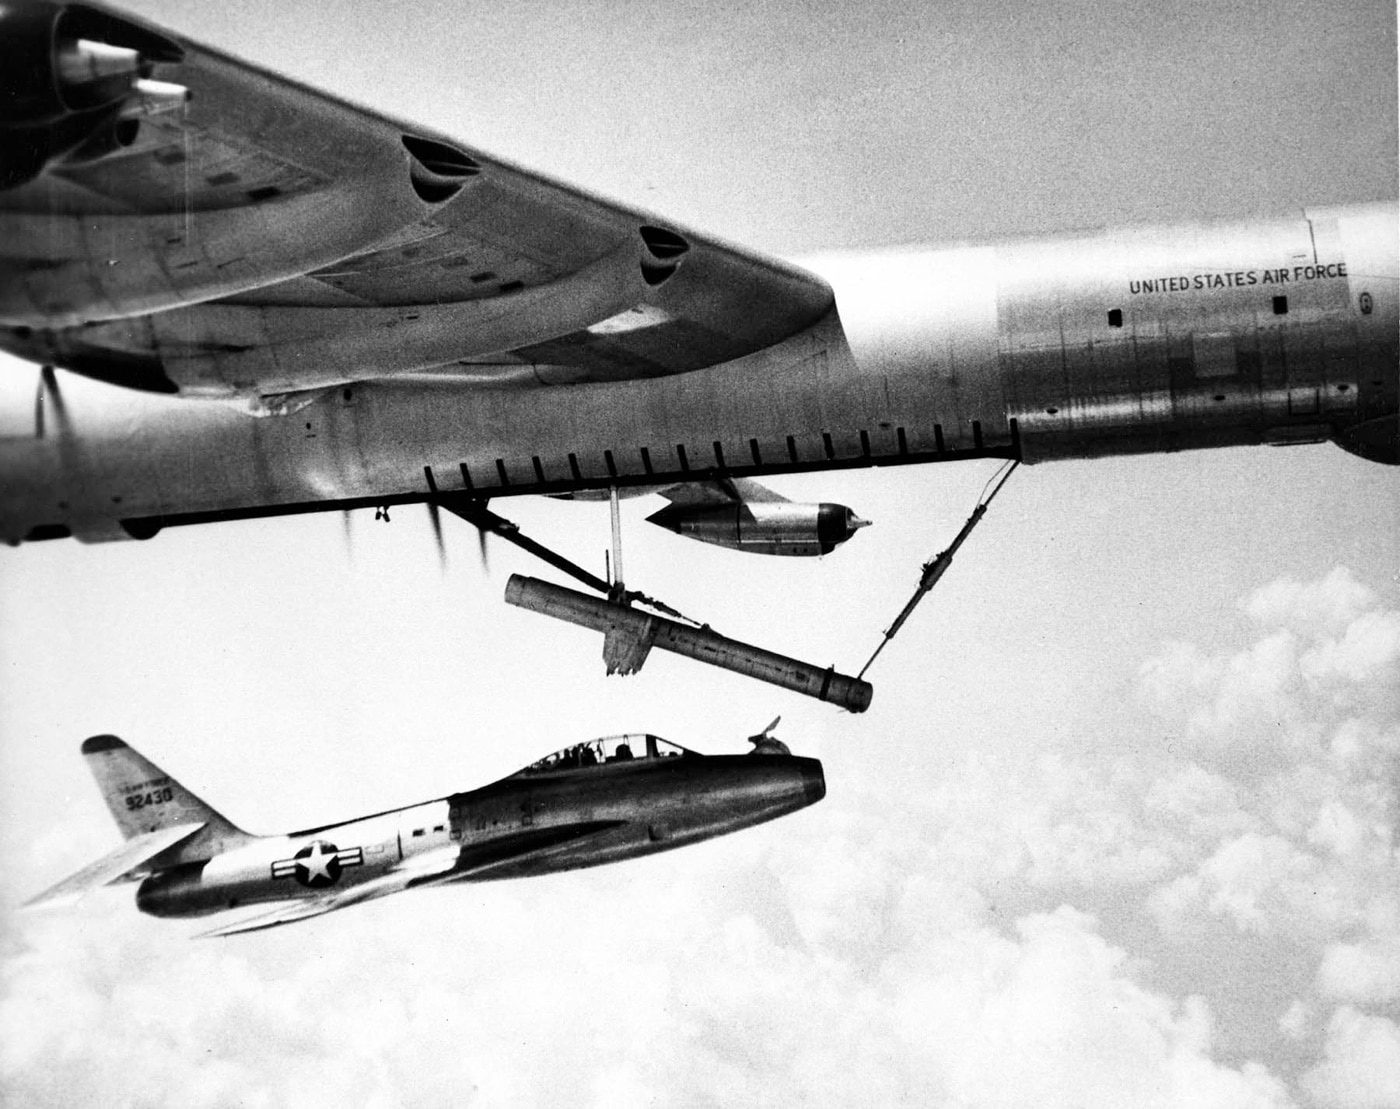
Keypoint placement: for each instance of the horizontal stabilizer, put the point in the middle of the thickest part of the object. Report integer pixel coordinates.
(122, 861)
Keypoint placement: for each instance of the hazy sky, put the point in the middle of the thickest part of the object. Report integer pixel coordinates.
(1120, 827)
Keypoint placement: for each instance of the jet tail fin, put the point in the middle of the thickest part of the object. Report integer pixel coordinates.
(116, 864)
(144, 798)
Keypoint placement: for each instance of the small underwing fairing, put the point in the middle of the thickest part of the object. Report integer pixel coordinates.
(743, 515)
(598, 802)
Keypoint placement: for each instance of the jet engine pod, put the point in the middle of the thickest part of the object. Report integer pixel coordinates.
(765, 527)
(67, 73)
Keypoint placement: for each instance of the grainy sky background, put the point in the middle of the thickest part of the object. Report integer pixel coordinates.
(1120, 827)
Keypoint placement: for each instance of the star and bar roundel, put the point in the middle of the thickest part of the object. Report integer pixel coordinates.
(318, 864)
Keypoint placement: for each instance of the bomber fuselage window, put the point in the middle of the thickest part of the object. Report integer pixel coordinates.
(1115, 317)
(1280, 306)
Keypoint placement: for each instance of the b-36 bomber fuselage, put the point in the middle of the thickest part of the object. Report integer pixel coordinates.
(1139, 341)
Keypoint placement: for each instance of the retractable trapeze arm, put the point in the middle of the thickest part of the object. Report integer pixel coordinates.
(629, 635)
(474, 511)
(936, 567)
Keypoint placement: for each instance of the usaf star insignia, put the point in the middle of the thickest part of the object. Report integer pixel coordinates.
(318, 864)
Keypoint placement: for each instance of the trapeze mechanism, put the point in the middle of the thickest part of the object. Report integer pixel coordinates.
(937, 566)
(628, 633)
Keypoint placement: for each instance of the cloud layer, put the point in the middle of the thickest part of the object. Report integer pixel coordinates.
(1190, 901)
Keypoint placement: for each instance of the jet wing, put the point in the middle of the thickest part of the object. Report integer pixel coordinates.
(482, 861)
(433, 868)
(261, 238)
(116, 865)
(421, 870)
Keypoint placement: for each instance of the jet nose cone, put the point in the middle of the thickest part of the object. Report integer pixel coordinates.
(813, 781)
(668, 518)
(856, 523)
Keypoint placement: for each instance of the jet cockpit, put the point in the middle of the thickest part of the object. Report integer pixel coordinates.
(609, 749)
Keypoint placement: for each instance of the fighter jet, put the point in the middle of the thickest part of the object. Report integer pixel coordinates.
(597, 802)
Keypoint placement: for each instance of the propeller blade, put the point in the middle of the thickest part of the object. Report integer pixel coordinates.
(481, 538)
(47, 390)
(348, 531)
(435, 517)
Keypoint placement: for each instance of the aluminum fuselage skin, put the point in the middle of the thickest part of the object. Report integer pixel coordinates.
(1082, 345)
(765, 527)
(528, 824)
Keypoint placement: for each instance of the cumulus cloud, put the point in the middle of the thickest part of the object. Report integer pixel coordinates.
(1260, 883)
(1303, 718)
(1055, 1017)
(1297, 1022)
(1325, 654)
(1327, 606)
(656, 999)
(1361, 1065)
(1366, 973)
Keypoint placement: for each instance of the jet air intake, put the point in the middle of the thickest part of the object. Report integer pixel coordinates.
(764, 527)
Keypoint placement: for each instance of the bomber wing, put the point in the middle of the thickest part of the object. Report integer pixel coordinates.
(204, 226)
(121, 862)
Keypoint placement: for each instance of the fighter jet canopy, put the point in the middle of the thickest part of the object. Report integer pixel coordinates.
(609, 749)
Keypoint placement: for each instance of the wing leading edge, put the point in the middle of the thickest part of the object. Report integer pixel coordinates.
(446, 864)
(263, 238)
(422, 870)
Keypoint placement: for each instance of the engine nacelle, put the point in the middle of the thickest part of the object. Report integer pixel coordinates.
(73, 78)
(764, 527)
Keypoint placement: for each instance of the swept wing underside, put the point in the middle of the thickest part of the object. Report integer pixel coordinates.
(448, 864)
(265, 239)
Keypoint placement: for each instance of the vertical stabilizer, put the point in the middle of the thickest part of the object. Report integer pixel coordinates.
(144, 798)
